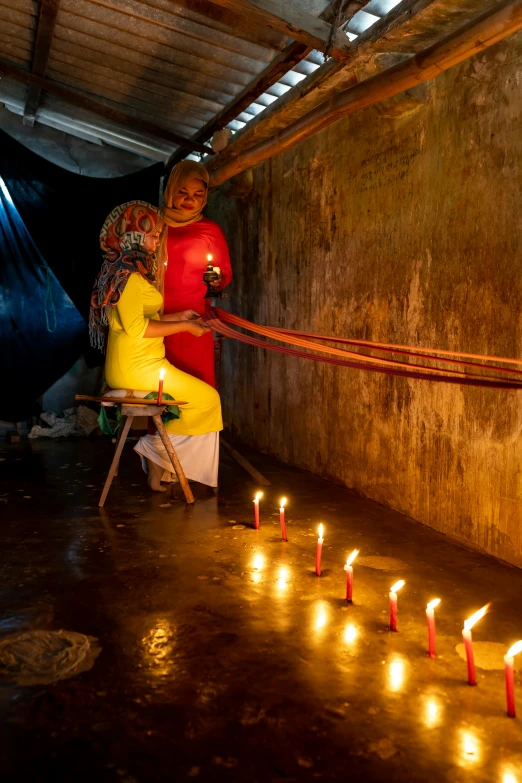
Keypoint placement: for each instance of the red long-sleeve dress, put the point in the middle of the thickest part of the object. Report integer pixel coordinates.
(187, 250)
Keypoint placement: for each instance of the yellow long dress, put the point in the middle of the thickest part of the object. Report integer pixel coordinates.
(134, 361)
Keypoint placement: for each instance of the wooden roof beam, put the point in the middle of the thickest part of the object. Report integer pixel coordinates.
(295, 23)
(498, 23)
(102, 109)
(275, 70)
(42, 49)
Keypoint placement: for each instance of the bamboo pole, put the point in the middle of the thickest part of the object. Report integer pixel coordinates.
(474, 37)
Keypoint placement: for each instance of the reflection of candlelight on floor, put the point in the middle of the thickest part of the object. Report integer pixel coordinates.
(321, 617)
(282, 579)
(469, 748)
(432, 714)
(508, 777)
(258, 564)
(350, 634)
(158, 645)
(396, 675)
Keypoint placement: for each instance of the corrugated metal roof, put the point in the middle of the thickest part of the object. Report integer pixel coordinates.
(176, 63)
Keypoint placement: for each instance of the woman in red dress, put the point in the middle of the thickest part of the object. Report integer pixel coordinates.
(191, 237)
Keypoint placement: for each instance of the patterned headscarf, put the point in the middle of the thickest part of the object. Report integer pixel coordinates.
(121, 240)
(179, 176)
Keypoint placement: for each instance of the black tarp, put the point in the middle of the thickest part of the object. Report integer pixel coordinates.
(50, 221)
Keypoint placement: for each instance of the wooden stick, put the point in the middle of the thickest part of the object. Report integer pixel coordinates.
(176, 464)
(115, 461)
(128, 400)
(256, 475)
(474, 37)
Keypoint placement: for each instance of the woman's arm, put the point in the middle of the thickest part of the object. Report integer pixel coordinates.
(166, 328)
(185, 315)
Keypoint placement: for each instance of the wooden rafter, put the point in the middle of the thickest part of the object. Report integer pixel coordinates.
(275, 70)
(42, 49)
(101, 109)
(501, 21)
(296, 23)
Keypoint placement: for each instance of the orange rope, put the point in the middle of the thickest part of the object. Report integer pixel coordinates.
(218, 319)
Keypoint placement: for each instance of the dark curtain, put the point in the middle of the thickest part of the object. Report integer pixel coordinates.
(50, 221)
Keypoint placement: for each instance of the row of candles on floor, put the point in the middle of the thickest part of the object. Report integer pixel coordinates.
(509, 658)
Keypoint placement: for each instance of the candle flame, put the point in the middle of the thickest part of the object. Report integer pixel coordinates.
(321, 531)
(209, 257)
(283, 502)
(433, 604)
(258, 496)
(514, 650)
(397, 586)
(162, 374)
(470, 622)
(351, 557)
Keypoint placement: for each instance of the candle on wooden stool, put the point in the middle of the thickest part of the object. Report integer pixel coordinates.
(468, 642)
(282, 519)
(349, 575)
(256, 509)
(160, 387)
(393, 603)
(430, 619)
(319, 551)
(509, 667)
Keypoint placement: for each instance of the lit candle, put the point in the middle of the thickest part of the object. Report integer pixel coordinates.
(430, 618)
(256, 509)
(319, 551)
(282, 519)
(160, 387)
(349, 574)
(509, 667)
(468, 642)
(393, 603)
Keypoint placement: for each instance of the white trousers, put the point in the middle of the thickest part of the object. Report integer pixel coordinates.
(198, 454)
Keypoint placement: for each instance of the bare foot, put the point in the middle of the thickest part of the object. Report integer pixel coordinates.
(154, 474)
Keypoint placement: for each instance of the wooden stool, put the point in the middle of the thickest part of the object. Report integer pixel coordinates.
(140, 407)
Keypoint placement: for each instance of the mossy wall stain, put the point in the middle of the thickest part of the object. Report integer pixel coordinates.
(404, 231)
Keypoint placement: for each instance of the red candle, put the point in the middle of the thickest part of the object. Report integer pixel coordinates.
(319, 551)
(430, 618)
(349, 574)
(160, 387)
(282, 519)
(256, 509)
(393, 603)
(468, 642)
(509, 667)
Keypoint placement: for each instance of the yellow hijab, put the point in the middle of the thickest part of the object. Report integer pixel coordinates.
(180, 174)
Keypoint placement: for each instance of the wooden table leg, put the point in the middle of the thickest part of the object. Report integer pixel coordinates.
(115, 460)
(176, 464)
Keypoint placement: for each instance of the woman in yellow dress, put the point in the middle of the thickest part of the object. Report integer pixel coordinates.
(126, 305)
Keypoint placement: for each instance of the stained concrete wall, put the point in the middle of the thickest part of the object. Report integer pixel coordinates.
(404, 231)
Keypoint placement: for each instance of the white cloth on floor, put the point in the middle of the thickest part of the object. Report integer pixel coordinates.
(198, 454)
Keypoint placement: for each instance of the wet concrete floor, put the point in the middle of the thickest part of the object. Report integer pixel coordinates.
(224, 658)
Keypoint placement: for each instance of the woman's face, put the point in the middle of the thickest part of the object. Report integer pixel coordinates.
(191, 195)
(151, 242)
